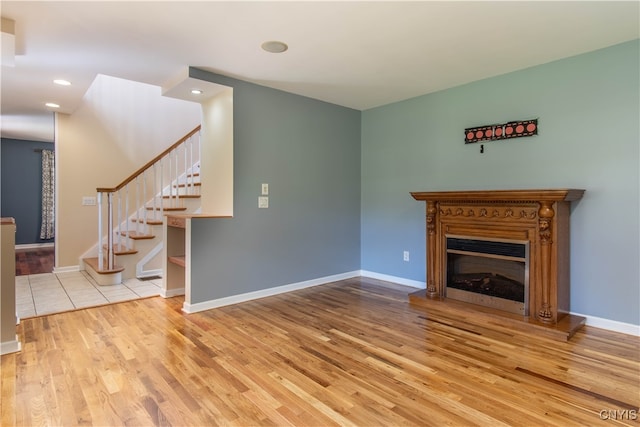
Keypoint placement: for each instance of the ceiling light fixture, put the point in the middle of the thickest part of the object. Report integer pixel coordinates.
(52, 105)
(62, 82)
(274, 46)
(196, 91)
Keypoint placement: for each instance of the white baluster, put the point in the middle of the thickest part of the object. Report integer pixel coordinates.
(137, 197)
(144, 202)
(110, 231)
(118, 230)
(100, 249)
(126, 210)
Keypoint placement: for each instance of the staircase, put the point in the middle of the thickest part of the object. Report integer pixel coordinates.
(130, 215)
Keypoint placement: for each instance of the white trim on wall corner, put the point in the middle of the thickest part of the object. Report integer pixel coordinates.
(10, 346)
(164, 293)
(34, 246)
(235, 299)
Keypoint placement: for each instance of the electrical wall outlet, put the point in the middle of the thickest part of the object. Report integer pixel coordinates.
(405, 256)
(263, 202)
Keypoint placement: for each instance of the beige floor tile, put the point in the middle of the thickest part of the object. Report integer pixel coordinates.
(147, 291)
(54, 307)
(44, 277)
(22, 280)
(25, 311)
(45, 286)
(90, 302)
(77, 285)
(48, 293)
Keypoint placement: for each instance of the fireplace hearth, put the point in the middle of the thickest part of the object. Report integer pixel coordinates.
(503, 251)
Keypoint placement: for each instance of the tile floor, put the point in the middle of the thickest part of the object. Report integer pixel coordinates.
(38, 294)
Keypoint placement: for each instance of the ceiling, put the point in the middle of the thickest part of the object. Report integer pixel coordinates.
(356, 54)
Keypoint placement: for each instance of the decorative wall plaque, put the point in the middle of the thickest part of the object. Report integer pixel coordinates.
(508, 130)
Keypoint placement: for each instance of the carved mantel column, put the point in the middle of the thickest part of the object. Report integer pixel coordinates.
(545, 225)
(433, 288)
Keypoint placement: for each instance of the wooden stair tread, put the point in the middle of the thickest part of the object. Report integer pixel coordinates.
(94, 264)
(136, 236)
(150, 208)
(194, 184)
(183, 196)
(121, 250)
(149, 221)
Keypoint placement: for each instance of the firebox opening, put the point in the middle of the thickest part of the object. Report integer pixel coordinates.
(493, 273)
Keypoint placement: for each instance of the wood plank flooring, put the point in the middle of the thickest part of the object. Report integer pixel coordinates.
(349, 353)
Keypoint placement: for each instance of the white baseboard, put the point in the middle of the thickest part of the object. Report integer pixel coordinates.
(611, 325)
(394, 279)
(34, 246)
(235, 299)
(10, 346)
(169, 293)
(67, 269)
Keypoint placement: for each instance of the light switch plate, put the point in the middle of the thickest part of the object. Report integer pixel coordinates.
(88, 201)
(263, 202)
(265, 189)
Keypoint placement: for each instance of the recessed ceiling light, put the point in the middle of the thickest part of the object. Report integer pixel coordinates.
(62, 82)
(274, 46)
(196, 91)
(52, 105)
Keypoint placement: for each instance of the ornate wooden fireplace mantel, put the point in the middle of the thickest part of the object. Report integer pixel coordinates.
(538, 217)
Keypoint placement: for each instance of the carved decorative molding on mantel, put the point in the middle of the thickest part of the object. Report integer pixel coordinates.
(539, 217)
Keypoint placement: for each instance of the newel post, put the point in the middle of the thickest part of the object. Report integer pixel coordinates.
(545, 224)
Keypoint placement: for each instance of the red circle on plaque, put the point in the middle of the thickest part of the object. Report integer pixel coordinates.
(531, 127)
(470, 135)
(479, 134)
(488, 133)
(498, 131)
(519, 129)
(508, 130)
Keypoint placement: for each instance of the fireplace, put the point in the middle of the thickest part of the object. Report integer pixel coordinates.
(489, 272)
(503, 251)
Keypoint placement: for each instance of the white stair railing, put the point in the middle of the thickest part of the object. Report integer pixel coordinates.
(132, 192)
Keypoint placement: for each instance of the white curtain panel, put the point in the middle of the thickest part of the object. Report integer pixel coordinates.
(48, 182)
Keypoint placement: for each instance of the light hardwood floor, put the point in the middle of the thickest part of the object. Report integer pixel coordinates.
(349, 353)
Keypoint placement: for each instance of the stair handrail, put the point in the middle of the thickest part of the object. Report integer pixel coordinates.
(135, 176)
(149, 163)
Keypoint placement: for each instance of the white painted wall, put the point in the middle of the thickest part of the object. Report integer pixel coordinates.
(216, 165)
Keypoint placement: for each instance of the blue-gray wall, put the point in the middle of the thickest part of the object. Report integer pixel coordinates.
(589, 133)
(309, 153)
(21, 179)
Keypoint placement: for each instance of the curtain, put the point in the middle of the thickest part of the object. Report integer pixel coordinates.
(48, 181)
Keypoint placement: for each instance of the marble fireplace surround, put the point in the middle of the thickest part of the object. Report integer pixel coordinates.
(540, 217)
